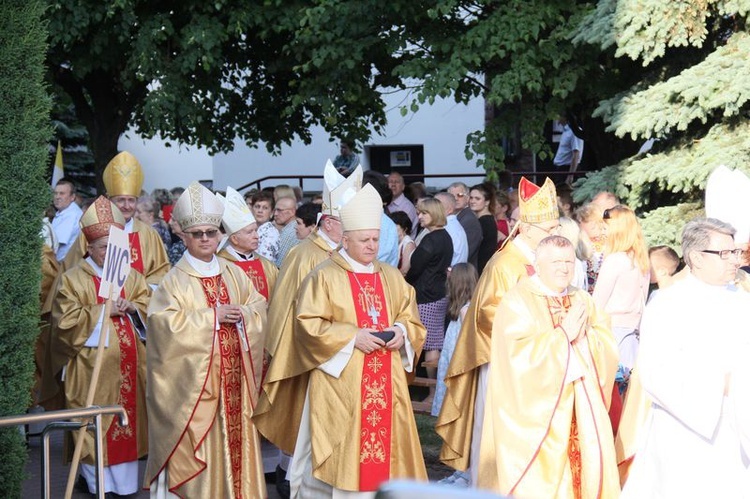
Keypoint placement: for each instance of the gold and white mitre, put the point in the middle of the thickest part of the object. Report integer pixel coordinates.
(123, 176)
(537, 204)
(237, 215)
(198, 206)
(364, 211)
(99, 217)
(728, 200)
(337, 189)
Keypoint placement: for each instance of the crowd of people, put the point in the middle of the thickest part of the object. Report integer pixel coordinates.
(266, 336)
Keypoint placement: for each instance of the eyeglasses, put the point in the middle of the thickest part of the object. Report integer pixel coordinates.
(724, 254)
(460, 195)
(198, 234)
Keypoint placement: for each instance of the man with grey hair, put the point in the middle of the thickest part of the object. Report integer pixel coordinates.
(454, 229)
(467, 219)
(693, 351)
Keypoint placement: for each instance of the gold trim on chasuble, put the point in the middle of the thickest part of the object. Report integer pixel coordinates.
(376, 387)
(231, 377)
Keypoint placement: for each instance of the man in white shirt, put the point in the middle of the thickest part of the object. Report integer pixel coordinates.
(453, 226)
(692, 358)
(400, 203)
(65, 223)
(569, 152)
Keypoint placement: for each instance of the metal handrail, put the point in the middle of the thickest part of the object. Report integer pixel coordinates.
(515, 176)
(59, 420)
(65, 414)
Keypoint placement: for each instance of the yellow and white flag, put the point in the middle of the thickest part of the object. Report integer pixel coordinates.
(57, 171)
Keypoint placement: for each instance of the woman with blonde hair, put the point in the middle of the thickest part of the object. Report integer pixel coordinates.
(622, 286)
(428, 273)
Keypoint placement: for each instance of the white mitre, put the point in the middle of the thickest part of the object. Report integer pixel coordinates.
(337, 189)
(197, 206)
(728, 200)
(364, 210)
(237, 215)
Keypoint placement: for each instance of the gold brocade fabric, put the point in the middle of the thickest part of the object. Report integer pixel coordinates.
(187, 408)
(532, 405)
(326, 322)
(75, 313)
(155, 261)
(297, 265)
(456, 418)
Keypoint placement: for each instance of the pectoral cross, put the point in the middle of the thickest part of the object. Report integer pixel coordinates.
(374, 315)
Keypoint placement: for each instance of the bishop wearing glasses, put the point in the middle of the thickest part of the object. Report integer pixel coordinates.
(336, 395)
(205, 343)
(461, 417)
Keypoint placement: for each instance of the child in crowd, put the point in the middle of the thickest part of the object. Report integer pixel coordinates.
(462, 279)
(664, 263)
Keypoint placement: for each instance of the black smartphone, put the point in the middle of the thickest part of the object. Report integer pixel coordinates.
(386, 335)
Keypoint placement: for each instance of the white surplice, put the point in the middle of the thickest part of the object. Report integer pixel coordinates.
(693, 336)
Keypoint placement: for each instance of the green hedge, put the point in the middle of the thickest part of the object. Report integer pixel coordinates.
(24, 131)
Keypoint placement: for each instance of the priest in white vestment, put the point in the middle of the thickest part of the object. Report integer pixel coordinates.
(693, 336)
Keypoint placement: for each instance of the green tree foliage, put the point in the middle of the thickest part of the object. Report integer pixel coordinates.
(24, 114)
(208, 73)
(74, 138)
(692, 97)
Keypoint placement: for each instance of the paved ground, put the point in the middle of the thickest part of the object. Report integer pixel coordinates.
(32, 487)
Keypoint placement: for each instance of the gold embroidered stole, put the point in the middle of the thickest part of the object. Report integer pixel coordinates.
(376, 387)
(121, 441)
(231, 377)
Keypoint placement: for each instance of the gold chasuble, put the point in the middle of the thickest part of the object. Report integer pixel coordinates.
(456, 420)
(297, 265)
(361, 425)
(147, 254)
(547, 431)
(75, 313)
(203, 382)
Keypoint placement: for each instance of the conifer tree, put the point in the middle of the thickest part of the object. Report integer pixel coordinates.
(692, 100)
(24, 114)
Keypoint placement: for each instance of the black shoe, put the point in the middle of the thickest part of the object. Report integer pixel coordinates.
(282, 484)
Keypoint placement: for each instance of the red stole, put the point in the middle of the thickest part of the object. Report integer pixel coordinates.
(136, 254)
(254, 270)
(231, 377)
(376, 388)
(121, 441)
